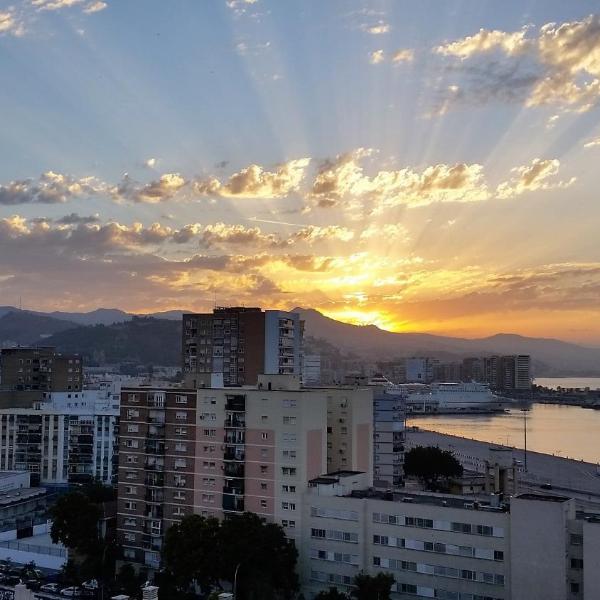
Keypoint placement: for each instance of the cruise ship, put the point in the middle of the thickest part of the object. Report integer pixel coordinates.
(450, 398)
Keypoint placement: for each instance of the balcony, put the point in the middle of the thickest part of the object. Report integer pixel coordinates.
(155, 447)
(235, 420)
(234, 453)
(155, 479)
(235, 437)
(153, 512)
(154, 496)
(236, 403)
(154, 466)
(156, 431)
(233, 503)
(233, 469)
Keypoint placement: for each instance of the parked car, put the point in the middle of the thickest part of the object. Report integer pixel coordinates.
(33, 584)
(52, 588)
(72, 592)
(92, 584)
(546, 486)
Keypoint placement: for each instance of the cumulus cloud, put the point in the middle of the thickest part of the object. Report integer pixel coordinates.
(403, 56)
(159, 190)
(220, 233)
(344, 179)
(592, 143)
(376, 57)
(314, 233)
(533, 177)
(49, 188)
(486, 40)
(256, 182)
(557, 65)
(55, 4)
(10, 24)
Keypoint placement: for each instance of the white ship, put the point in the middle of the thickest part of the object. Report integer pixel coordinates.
(451, 397)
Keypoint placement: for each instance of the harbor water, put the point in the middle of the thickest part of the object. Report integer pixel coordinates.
(567, 431)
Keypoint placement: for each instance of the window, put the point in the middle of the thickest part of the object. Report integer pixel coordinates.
(179, 495)
(179, 447)
(180, 431)
(209, 481)
(132, 443)
(288, 471)
(210, 432)
(180, 463)
(574, 587)
(288, 524)
(131, 475)
(181, 416)
(129, 537)
(130, 505)
(180, 399)
(133, 413)
(264, 452)
(133, 398)
(287, 420)
(577, 563)
(291, 454)
(289, 403)
(264, 469)
(129, 522)
(131, 459)
(133, 428)
(209, 464)
(209, 498)
(263, 504)
(288, 505)
(576, 539)
(264, 435)
(288, 489)
(263, 486)
(128, 553)
(131, 489)
(264, 418)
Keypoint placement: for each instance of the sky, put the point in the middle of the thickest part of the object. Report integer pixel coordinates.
(422, 166)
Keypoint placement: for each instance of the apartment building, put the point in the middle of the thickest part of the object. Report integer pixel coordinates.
(389, 432)
(67, 437)
(240, 343)
(217, 451)
(40, 370)
(311, 370)
(448, 547)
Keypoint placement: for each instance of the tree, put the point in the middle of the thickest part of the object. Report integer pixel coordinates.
(128, 581)
(372, 587)
(191, 551)
(75, 523)
(331, 594)
(264, 557)
(430, 464)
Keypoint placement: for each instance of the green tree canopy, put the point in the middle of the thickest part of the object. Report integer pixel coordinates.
(372, 587)
(430, 464)
(208, 551)
(75, 522)
(191, 551)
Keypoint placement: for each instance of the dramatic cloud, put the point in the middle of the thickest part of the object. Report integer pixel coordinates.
(220, 233)
(313, 233)
(402, 56)
(560, 65)
(10, 25)
(159, 190)
(55, 4)
(376, 57)
(256, 182)
(49, 188)
(533, 177)
(345, 179)
(485, 41)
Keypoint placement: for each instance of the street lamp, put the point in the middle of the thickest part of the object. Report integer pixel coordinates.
(235, 575)
(525, 411)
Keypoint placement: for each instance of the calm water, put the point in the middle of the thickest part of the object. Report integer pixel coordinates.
(569, 431)
(569, 382)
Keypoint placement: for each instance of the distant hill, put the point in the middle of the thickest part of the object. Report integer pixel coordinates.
(24, 328)
(149, 340)
(142, 340)
(551, 357)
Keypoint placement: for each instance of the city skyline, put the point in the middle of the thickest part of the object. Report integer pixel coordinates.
(418, 166)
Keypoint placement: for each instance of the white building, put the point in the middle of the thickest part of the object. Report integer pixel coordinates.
(447, 547)
(283, 343)
(68, 437)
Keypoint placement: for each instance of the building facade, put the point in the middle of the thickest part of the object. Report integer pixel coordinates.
(217, 451)
(68, 437)
(240, 343)
(40, 369)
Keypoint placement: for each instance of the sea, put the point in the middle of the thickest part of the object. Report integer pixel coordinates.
(567, 431)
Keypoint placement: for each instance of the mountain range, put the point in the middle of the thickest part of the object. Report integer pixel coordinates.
(112, 335)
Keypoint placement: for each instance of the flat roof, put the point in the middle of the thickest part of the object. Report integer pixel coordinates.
(543, 497)
(12, 496)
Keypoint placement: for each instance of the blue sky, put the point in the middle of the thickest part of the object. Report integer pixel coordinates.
(474, 184)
